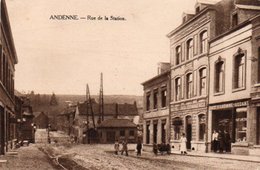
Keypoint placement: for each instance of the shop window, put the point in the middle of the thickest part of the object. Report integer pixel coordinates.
(178, 55)
(202, 127)
(219, 77)
(155, 99)
(122, 133)
(177, 123)
(241, 119)
(203, 42)
(131, 133)
(189, 49)
(177, 89)
(202, 81)
(148, 103)
(189, 86)
(239, 71)
(163, 97)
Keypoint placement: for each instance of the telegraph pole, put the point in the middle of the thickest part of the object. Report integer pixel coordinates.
(101, 100)
(91, 109)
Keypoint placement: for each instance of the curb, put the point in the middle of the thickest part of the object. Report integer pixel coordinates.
(219, 157)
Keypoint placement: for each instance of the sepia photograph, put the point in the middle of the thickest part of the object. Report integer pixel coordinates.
(129, 84)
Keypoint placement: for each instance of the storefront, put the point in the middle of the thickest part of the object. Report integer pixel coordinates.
(232, 117)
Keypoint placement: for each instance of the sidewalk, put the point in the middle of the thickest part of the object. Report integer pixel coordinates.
(229, 156)
(26, 158)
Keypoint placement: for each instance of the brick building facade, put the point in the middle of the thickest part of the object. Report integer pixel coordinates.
(8, 59)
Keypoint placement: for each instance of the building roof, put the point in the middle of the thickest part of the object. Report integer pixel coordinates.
(109, 109)
(211, 2)
(156, 77)
(68, 110)
(250, 7)
(116, 123)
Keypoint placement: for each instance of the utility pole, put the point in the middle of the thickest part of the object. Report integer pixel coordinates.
(91, 109)
(87, 105)
(101, 100)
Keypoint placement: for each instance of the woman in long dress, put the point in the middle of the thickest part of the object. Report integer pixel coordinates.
(183, 147)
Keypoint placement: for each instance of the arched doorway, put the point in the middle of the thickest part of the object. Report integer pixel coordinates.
(189, 131)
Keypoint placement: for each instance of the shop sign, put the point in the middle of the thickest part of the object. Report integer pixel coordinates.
(229, 105)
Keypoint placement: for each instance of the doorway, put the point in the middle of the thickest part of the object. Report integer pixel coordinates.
(111, 136)
(189, 131)
(2, 130)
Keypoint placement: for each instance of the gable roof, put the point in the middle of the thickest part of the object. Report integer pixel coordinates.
(116, 123)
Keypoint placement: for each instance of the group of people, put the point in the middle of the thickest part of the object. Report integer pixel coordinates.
(221, 141)
(125, 148)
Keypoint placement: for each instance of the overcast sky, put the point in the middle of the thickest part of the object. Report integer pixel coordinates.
(62, 56)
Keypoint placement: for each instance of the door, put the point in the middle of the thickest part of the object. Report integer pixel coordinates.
(188, 131)
(111, 136)
(2, 130)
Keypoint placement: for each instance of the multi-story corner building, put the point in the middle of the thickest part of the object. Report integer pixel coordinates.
(8, 59)
(156, 107)
(189, 44)
(234, 98)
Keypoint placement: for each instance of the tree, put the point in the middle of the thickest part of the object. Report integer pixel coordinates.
(53, 101)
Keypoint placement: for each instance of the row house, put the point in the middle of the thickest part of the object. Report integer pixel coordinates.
(190, 71)
(156, 107)
(234, 59)
(215, 75)
(8, 59)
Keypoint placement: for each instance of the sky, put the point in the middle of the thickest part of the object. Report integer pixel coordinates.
(62, 56)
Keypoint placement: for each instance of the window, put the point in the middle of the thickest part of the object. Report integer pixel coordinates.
(163, 96)
(122, 133)
(219, 77)
(148, 103)
(147, 133)
(241, 119)
(202, 81)
(178, 55)
(202, 127)
(234, 20)
(155, 99)
(155, 133)
(1, 67)
(239, 71)
(258, 60)
(203, 42)
(131, 133)
(163, 130)
(189, 85)
(178, 89)
(189, 49)
(177, 123)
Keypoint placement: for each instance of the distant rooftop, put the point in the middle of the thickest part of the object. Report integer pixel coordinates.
(117, 123)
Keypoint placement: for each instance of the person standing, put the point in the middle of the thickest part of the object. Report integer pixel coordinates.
(215, 140)
(124, 148)
(116, 146)
(227, 141)
(183, 147)
(139, 148)
(221, 141)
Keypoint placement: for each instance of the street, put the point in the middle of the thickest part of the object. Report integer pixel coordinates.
(102, 157)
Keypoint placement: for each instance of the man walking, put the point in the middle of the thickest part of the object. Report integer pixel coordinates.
(124, 148)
